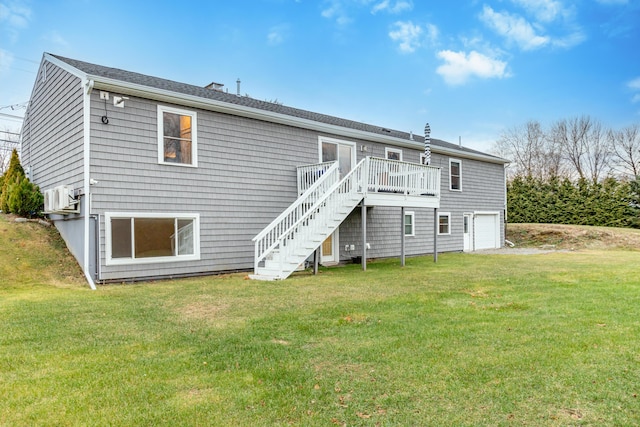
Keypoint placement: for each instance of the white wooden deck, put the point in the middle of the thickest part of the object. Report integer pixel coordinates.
(326, 199)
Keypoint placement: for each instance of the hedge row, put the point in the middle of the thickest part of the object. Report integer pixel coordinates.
(610, 203)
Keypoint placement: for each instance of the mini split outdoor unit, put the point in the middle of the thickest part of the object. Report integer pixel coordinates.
(60, 200)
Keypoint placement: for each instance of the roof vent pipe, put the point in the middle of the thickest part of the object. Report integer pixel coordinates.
(411, 135)
(238, 83)
(460, 141)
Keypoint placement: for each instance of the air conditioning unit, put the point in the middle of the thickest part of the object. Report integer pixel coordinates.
(64, 198)
(61, 200)
(49, 200)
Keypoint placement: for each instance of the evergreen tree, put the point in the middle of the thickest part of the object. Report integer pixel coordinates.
(25, 199)
(12, 176)
(19, 195)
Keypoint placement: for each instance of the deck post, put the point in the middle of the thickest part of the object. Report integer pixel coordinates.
(316, 261)
(402, 237)
(364, 236)
(435, 234)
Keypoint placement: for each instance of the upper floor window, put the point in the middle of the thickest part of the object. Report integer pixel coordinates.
(455, 174)
(393, 153)
(177, 136)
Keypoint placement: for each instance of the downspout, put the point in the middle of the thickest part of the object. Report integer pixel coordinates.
(86, 206)
(504, 177)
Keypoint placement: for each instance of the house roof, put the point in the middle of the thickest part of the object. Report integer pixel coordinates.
(98, 73)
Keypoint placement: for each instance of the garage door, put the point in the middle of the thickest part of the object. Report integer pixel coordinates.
(487, 231)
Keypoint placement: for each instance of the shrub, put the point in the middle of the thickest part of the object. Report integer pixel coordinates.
(18, 195)
(25, 199)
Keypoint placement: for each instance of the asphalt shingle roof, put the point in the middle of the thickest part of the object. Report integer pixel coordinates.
(202, 92)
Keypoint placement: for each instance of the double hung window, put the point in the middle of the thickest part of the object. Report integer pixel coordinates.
(455, 175)
(177, 136)
(409, 224)
(444, 223)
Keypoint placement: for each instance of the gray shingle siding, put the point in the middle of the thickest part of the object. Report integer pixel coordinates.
(53, 128)
(52, 142)
(246, 174)
(482, 190)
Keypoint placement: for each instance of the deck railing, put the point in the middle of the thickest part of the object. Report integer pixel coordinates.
(326, 191)
(392, 176)
(309, 174)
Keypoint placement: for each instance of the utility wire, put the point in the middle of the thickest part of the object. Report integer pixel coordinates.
(11, 116)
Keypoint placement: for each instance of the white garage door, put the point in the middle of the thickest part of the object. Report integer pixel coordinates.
(487, 231)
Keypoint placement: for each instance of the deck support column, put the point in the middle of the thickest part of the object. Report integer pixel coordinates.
(435, 234)
(364, 236)
(402, 236)
(316, 261)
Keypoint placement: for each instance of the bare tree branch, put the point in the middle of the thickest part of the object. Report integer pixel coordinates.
(625, 146)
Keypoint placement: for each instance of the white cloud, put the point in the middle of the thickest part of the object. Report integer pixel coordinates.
(6, 59)
(392, 7)
(570, 40)
(609, 2)
(634, 84)
(407, 35)
(56, 38)
(14, 17)
(337, 12)
(543, 10)
(459, 67)
(514, 28)
(433, 33)
(277, 34)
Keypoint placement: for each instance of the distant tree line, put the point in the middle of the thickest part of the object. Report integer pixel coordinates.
(576, 171)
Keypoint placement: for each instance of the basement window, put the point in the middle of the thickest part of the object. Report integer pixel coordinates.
(444, 223)
(177, 136)
(409, 224)
(143, 238)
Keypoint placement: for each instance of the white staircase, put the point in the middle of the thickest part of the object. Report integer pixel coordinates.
(292, 237)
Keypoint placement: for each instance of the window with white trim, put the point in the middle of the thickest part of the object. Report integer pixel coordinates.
(134, 238)
(177, 136)
(392, 153)
(423, 158)
(444, 223)
(455, 175)
(409, 224)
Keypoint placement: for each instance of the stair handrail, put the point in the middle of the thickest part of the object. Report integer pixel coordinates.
(362, 166)
(331, 176)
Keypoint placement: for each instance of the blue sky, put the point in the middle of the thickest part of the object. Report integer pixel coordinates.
(469, 68)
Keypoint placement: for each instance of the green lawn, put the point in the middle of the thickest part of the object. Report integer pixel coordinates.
(540, 340)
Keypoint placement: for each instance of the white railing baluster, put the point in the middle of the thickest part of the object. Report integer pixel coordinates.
(309, 174)
(323, 193)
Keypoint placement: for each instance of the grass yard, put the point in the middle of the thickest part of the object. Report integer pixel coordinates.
(539, 340)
